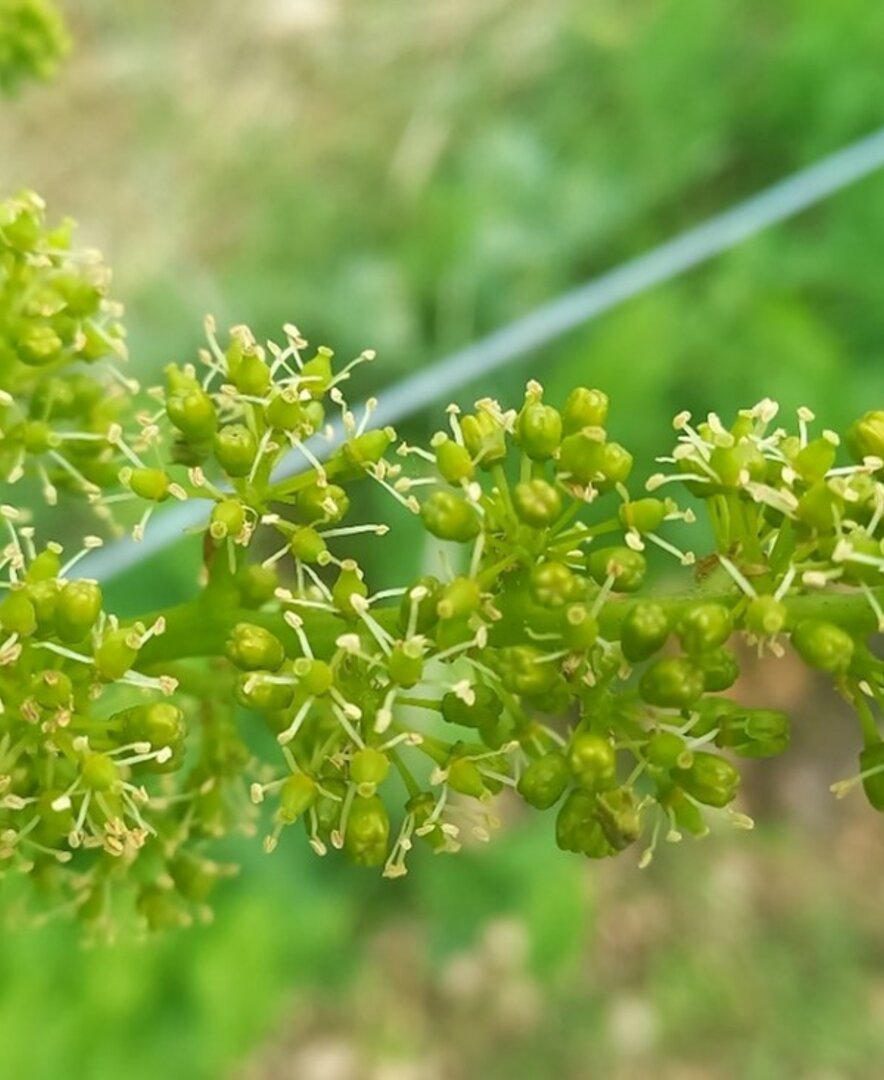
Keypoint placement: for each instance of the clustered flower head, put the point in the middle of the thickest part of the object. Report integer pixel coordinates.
(536, 660)
(33, 39)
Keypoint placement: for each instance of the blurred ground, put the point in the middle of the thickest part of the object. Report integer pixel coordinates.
(408, 177)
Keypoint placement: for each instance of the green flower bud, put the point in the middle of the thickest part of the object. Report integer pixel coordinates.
(252, 648)
(580, 630)
(823, 645)
(315, 676)
(427, 616)
(348, 585)
(52, 689)
(619, 816)
(644, 515)
(627, 567)
(307, 545)
(369, 767)
(297, 794)
(459, 598)
(255, 693)
(814, 460)
(537, 503)
(116, 653)
(450, 517)
(465, 778)
(100, 773)
(486, 708)
(17, 614)
(228, 518)
(733, 464)
(543, 782)
(539, 430)
(672, 683)
(593, 761)
(666, 750)
(584, 408)
(523, 671)
(578, 828)
(150, 484)
(189, 407)
(755, 733)
(819, 507)
(484, 437)
(46, 566)
(366, 449)
(405, 664)
(710, 779)
(77, 609)
(317, 374)
(704, 627)
(720, 668)
(235, 449)
(552, 584)
(326, 504)
(368, 831)
(55, 823)
(644, 631)
(160, 723)
(256, 584)
(865, 437)
(284, 411)
(453, 461)
(43, 595)
(765, 616)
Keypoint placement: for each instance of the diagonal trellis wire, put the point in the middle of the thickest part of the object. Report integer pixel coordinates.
(551, 320)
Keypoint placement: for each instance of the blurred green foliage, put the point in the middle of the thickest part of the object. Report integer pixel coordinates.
(410, 177)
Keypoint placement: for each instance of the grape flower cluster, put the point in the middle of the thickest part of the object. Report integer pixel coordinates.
(287, 695)
(33, 39)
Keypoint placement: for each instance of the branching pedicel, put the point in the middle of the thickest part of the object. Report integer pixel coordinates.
(541, 665)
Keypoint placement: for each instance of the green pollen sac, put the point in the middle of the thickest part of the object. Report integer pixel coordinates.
(544, 781)
(666, 750)
(450, 516)
(77, 609)
(256, 584)
(823, 645)
(814, 460)
(674, 682)
(99, 772)
(486, 708)
(578, 828)
(643, 515)
(262, 696)
(327, 504)
(485, 438)
(865, 437)
(459, 598)
(369, 768)
(539, 430)
(150, 484)
(315, 676)
(52, 689)
(189, 407)
(765, 616)
(523, 670)
(593, 761)
(405, 664)
(465, 778)
(235, 450)
(453, 461)
(349, 584)
(704, 627)
(252, 648)
(17, 613)
(627, 567)
(228, 518)
(537, 503)
(307, 545)
(551, 584)
(285, 411)
(720, 668)
(584, 408)
(297, 794)
(367, 831)
(116, 653)
(710, 779)
(580, 629)
(644, 630)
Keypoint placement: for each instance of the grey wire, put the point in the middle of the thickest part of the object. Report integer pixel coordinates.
(408, 396)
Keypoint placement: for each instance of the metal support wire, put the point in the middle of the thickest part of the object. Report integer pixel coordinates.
(440, 379)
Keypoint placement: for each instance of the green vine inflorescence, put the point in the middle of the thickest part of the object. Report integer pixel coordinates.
(536, 661)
